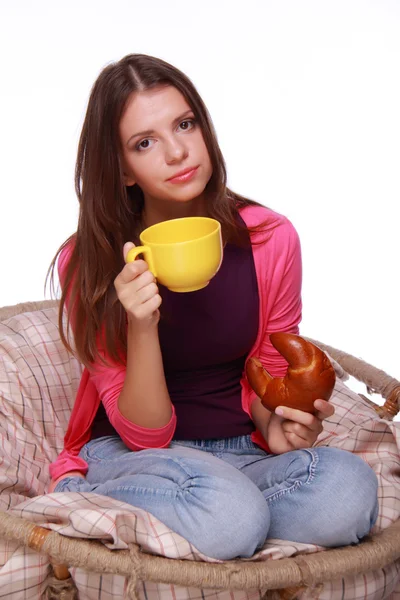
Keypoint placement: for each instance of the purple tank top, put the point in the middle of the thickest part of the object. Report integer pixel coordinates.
(205, 337)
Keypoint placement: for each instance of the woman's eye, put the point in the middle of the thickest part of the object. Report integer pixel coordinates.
(188, 124)
(143, 145)
(185, 125)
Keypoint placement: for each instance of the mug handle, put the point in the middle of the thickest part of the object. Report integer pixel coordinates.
(146, 251)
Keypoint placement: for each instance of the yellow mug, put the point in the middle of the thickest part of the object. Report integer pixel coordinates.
(183, 254)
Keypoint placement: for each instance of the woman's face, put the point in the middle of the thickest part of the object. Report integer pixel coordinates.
(160, 140)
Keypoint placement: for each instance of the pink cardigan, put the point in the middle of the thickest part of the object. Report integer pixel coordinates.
(277, 258)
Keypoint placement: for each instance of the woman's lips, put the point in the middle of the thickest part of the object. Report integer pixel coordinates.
(186, 176)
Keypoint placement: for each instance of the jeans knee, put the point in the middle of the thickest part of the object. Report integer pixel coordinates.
(236, 525)
(361, 510)
(354, 489)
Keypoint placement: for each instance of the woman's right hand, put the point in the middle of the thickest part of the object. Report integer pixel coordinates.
(138, 292)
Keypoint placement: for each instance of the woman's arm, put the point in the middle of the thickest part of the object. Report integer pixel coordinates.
(293, 429)
(144, 399)
(281, 259)
(146, 418)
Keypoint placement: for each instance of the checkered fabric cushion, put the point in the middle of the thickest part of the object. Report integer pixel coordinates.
(38, 382)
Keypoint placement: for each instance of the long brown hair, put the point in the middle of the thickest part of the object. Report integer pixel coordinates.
(110, 212)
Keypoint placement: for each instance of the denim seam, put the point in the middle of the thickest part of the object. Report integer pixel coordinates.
(281, 493)
(155, 492)
(144, 490)
(297, 484)
(313, 466)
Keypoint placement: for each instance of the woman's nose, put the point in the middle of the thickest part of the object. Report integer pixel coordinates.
(175, 151)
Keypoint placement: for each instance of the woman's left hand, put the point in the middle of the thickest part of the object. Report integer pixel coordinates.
(292, 429)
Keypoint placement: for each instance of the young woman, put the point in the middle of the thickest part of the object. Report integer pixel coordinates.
(164, 418)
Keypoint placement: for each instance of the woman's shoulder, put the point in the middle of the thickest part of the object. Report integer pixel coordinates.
(275, 244)
(275, 226)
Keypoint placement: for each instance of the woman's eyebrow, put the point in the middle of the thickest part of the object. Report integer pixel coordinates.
(151, 131)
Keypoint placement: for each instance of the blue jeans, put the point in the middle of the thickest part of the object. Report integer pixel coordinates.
(227, 496)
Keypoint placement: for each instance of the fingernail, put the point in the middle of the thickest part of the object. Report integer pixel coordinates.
(279, 411)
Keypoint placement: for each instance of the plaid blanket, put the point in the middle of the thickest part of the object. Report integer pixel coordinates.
(38, 382)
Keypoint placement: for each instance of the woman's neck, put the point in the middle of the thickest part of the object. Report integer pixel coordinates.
(156, 212)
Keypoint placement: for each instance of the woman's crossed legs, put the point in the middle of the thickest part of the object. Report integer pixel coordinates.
(227, 496)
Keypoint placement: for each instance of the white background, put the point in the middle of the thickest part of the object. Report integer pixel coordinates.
(305, 98)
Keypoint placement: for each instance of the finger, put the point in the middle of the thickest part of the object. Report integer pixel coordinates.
(299, 435)
(147, 292)
(143, 280)
(154, 302)
(297, 442)
(324, 409)
(293, 414)
(307, 433)
(149, 307)
(127, 246)
(287, 427)
(131, 271)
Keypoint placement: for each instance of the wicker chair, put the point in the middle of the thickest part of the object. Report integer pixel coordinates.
(284, 579)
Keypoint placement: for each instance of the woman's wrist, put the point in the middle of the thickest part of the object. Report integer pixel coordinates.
(142, 330)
